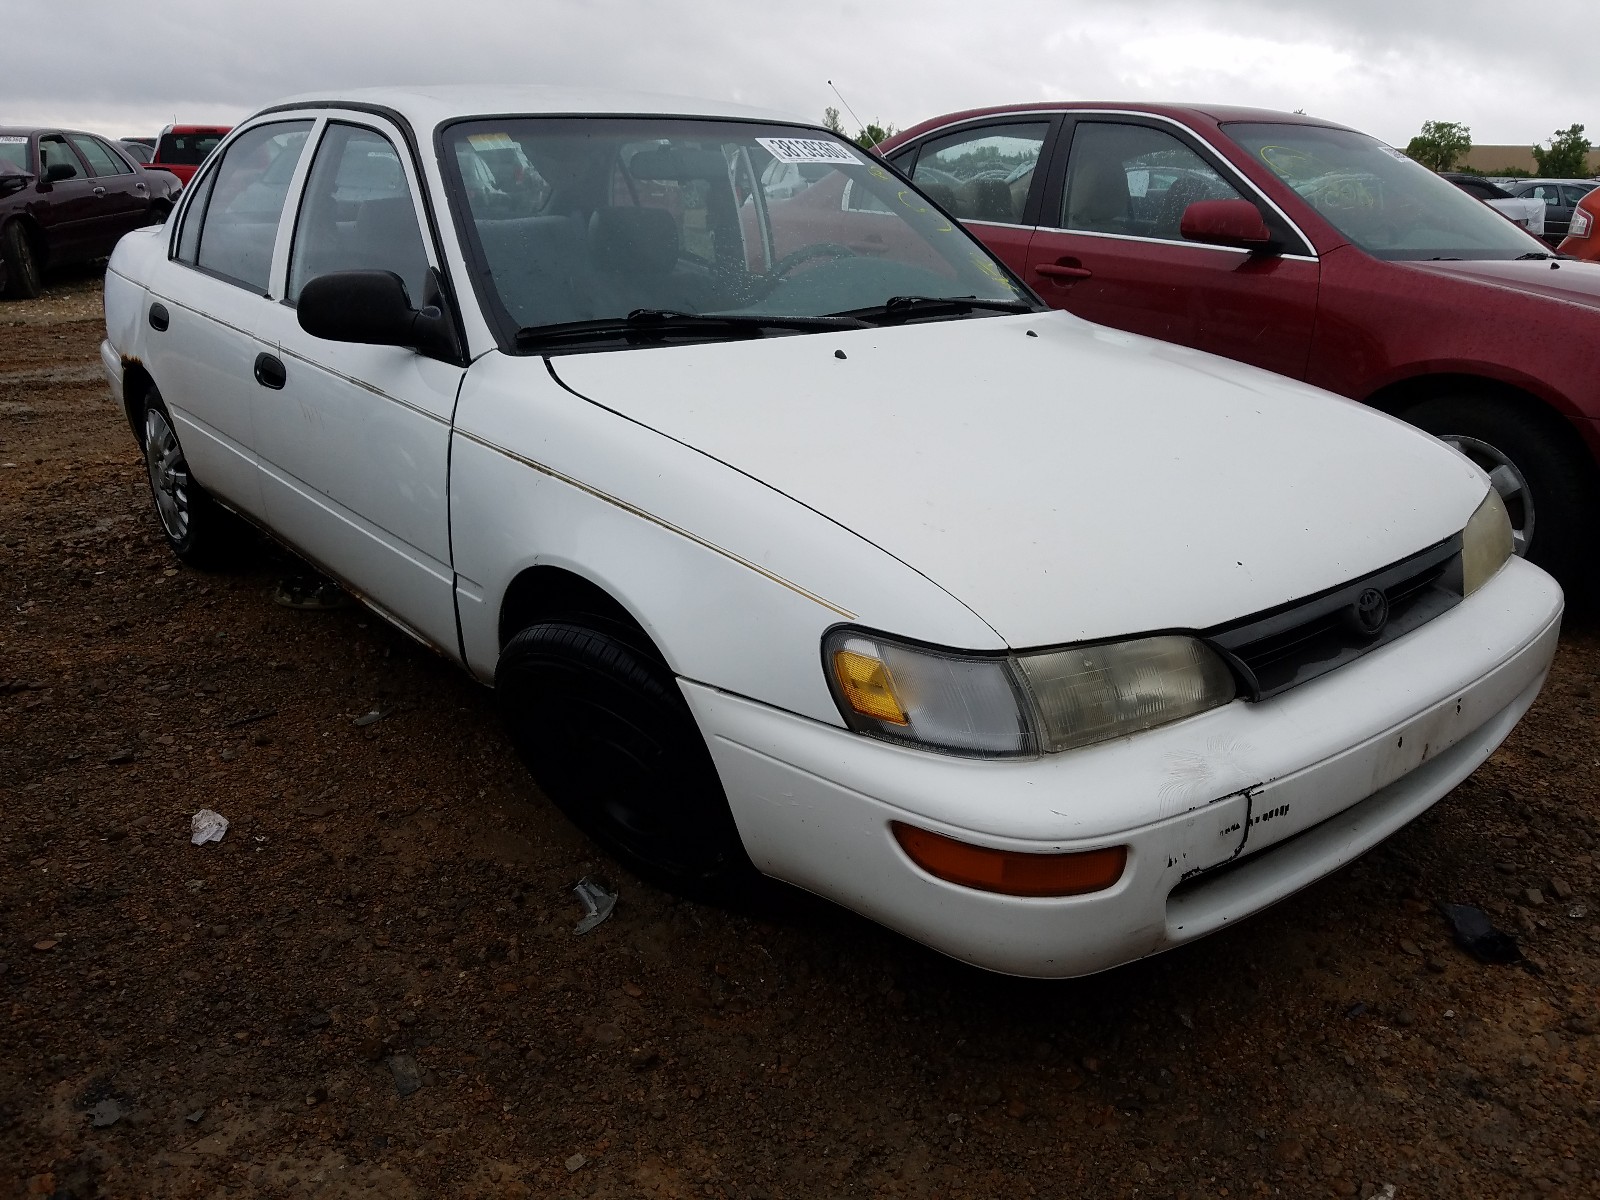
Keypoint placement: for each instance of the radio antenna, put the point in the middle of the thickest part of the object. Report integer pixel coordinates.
(860, 124)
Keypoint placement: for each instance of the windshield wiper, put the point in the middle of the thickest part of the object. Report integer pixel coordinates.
(899, 308)
(1536, 254)
(655, 324)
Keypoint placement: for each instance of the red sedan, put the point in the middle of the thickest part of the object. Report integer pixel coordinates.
(1311, 250)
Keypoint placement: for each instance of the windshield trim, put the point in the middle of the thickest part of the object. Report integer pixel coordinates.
(505, 328)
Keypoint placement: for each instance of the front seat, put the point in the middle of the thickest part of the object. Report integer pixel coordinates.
(1097, 198)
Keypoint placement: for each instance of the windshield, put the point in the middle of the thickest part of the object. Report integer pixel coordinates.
(1386, 204)
(188, 149)
(595, 219)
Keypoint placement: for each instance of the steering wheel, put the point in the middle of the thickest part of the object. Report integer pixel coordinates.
(806, 253)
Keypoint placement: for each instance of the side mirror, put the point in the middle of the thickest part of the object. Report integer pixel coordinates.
(1226, 223)
(373, 308)
(56, 172)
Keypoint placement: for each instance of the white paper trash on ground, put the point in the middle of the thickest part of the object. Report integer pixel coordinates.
(207, 826)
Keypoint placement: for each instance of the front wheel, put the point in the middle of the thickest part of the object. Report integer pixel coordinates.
(23, 279)
(607, 736)
(1548, 487)
(198, 530)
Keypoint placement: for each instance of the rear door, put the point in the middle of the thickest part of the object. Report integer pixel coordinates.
(124, 198)
(985, 174)
(1108, 247)
(354, 440)
(210, 299)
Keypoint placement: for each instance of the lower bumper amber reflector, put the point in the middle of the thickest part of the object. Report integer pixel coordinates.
(1009, 872)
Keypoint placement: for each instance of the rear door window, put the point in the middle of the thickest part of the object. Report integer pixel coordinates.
(187, 149)
(243, 204)
(983, 174)
(102, 161)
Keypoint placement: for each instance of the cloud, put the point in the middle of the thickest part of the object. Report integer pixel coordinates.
(1369, 63)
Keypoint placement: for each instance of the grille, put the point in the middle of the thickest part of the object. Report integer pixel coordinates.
(1284, 647)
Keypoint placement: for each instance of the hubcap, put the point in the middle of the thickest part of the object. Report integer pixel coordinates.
(169, 474)
(1506, 479)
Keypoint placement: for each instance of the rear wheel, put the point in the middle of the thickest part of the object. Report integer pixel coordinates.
(606, 734)
(199, 530)
(20, 261)
(1547, 486)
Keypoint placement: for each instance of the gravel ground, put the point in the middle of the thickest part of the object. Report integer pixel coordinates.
(372, 987)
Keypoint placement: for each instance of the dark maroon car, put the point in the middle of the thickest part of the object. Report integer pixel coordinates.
(67, 196)
(1313, 251)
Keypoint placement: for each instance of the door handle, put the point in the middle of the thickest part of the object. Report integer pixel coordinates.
(1064, 271)
(270, 372)
(99, 191)
(158, 318)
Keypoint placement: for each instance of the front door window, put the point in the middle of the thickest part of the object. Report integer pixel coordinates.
(1135, 181)
(357, 214)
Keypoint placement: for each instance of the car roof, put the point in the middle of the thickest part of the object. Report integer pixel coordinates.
(1218, 113)
(427, 107)
(32, 130)
(197, 129)
(1543, 179)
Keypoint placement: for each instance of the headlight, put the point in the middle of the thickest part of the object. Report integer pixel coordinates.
(1020, 704)
(1485, 543)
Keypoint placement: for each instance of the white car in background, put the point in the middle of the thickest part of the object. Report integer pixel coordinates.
(1048, 645)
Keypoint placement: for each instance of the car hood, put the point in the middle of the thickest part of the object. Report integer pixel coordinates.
(1574, 282)
(1064, 481)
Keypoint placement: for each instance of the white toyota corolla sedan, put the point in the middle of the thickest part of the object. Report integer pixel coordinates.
(797, 538)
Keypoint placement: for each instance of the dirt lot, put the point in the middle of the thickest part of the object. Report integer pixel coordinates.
(391, 909)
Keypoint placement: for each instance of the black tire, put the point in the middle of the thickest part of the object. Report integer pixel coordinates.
(607, 736)
(198, 530)
(22, 276)
(1548, 484)
(159, 212)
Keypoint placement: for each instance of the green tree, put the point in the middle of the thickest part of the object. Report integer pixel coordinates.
(1440, 145)
(874, 134)
(1567, 157)
(866, 138)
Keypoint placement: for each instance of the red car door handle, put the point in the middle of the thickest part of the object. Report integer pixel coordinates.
(1063, 270)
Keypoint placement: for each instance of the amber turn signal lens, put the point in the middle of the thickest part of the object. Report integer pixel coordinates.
(868, 687)
(1008, 872)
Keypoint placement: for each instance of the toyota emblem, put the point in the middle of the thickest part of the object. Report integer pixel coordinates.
(1370, 612)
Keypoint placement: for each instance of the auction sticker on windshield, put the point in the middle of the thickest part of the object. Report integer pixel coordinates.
(808, 150)
(491, 141)
(12, 141)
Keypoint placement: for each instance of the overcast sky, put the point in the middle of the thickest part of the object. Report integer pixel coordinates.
(1514, 74)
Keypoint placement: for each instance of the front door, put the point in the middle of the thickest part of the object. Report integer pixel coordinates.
(1109, 249)
(354, 440)
(70, 212)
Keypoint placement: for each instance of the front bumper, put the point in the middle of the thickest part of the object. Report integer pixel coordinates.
(1279, 793)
